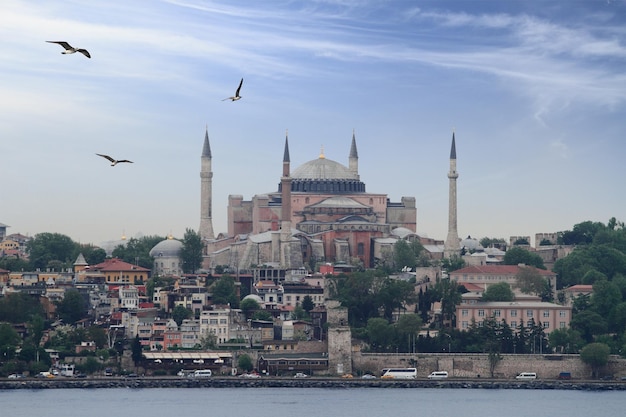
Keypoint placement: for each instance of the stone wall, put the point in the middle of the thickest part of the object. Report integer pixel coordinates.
(472, 365)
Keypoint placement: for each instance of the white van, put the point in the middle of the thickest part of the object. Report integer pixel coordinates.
(438, 375)
(202, 373)
(527, 376)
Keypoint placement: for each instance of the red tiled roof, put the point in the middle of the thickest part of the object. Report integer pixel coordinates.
(116, 265)
(496, 270)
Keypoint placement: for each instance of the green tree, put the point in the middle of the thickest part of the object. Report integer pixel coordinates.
(9, 340)
(19, 307)
(224, 291)
(565, 341)
(596, 355)
(72, 307)
(137, 251)
(47, 247)
(93, 255)
(245, 363)
(581, 234)
(500, 291)
(248, 306)
(136, 350)
(180, 313)
(589, 323)
(262, 315)
(308, 304)
(605, 297)
(380, 334)
(517, 255)
(449, 293)
(452, 263)
(487, 242)
(191, 252)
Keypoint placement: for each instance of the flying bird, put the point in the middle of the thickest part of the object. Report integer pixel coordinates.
(114, 161)
(69, 49)
(236, 96)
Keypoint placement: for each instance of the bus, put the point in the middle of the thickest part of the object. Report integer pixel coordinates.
(399, 373)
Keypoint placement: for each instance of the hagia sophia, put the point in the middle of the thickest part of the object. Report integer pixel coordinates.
(320, 212)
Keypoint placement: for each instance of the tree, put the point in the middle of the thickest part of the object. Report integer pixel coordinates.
(19, 307)
(244, 362)
(596, 355)
(72, 307)
(249, 306)
(500, 291)
(581, 233)
(137, 251)
(93, 255)
(308, 304)
(452, 263)
(136, 350)
(380, 334)
(449, 293)
(589, 323)
(529, 281)
(181, 313)
(224, 291)
(191, 252)
(487, 242)
(47, 247)
(517, 255)
(605, 297)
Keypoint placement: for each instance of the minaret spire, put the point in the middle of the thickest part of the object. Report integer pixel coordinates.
(206, 190)
(285, 224)
(353, 158)
(452, 245)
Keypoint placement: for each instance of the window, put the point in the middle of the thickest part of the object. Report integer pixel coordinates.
(546, 324)
(481, 313)
(513, 324)
(464, 325)
(546, 313)
(464, 313)
(561, 325)
(513, 313)
(496, 313)
(562, 313)
(360, 249)
(529, 313)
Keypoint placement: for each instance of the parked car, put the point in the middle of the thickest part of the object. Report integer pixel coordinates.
(565, 375)
(300, 375)
(368, 376)
(16, 376)
(347, 376)
(250, 375)
(438, 375)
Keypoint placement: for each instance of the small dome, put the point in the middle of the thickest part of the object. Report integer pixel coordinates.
(254, 297)
(323, 169)
(167, 248)
(471, 244)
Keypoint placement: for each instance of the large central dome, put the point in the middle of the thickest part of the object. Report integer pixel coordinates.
(323, 169)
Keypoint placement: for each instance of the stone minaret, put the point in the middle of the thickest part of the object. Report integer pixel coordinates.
(452, 245)
(353, 159)
(206, 191)
(285, 224)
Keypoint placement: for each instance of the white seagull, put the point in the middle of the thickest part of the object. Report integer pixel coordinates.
(69, 49)
(236, 96)
(114, 161)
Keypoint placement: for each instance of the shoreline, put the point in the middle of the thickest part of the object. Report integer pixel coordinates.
(273, 382)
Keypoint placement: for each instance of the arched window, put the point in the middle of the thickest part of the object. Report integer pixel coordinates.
(360, 249)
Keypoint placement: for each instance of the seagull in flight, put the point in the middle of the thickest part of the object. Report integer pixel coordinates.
(69, 49)
(114, 161)
(236, 96)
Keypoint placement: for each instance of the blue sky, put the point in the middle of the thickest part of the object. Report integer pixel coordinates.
(535, 91)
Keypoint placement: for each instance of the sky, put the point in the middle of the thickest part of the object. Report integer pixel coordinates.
(534, 91)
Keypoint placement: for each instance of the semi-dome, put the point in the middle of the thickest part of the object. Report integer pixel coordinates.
(167, 248)
(323, 169)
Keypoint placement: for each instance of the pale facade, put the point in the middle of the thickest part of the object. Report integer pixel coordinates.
(550, 316)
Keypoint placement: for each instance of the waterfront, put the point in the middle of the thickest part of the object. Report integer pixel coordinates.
(310, 402)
